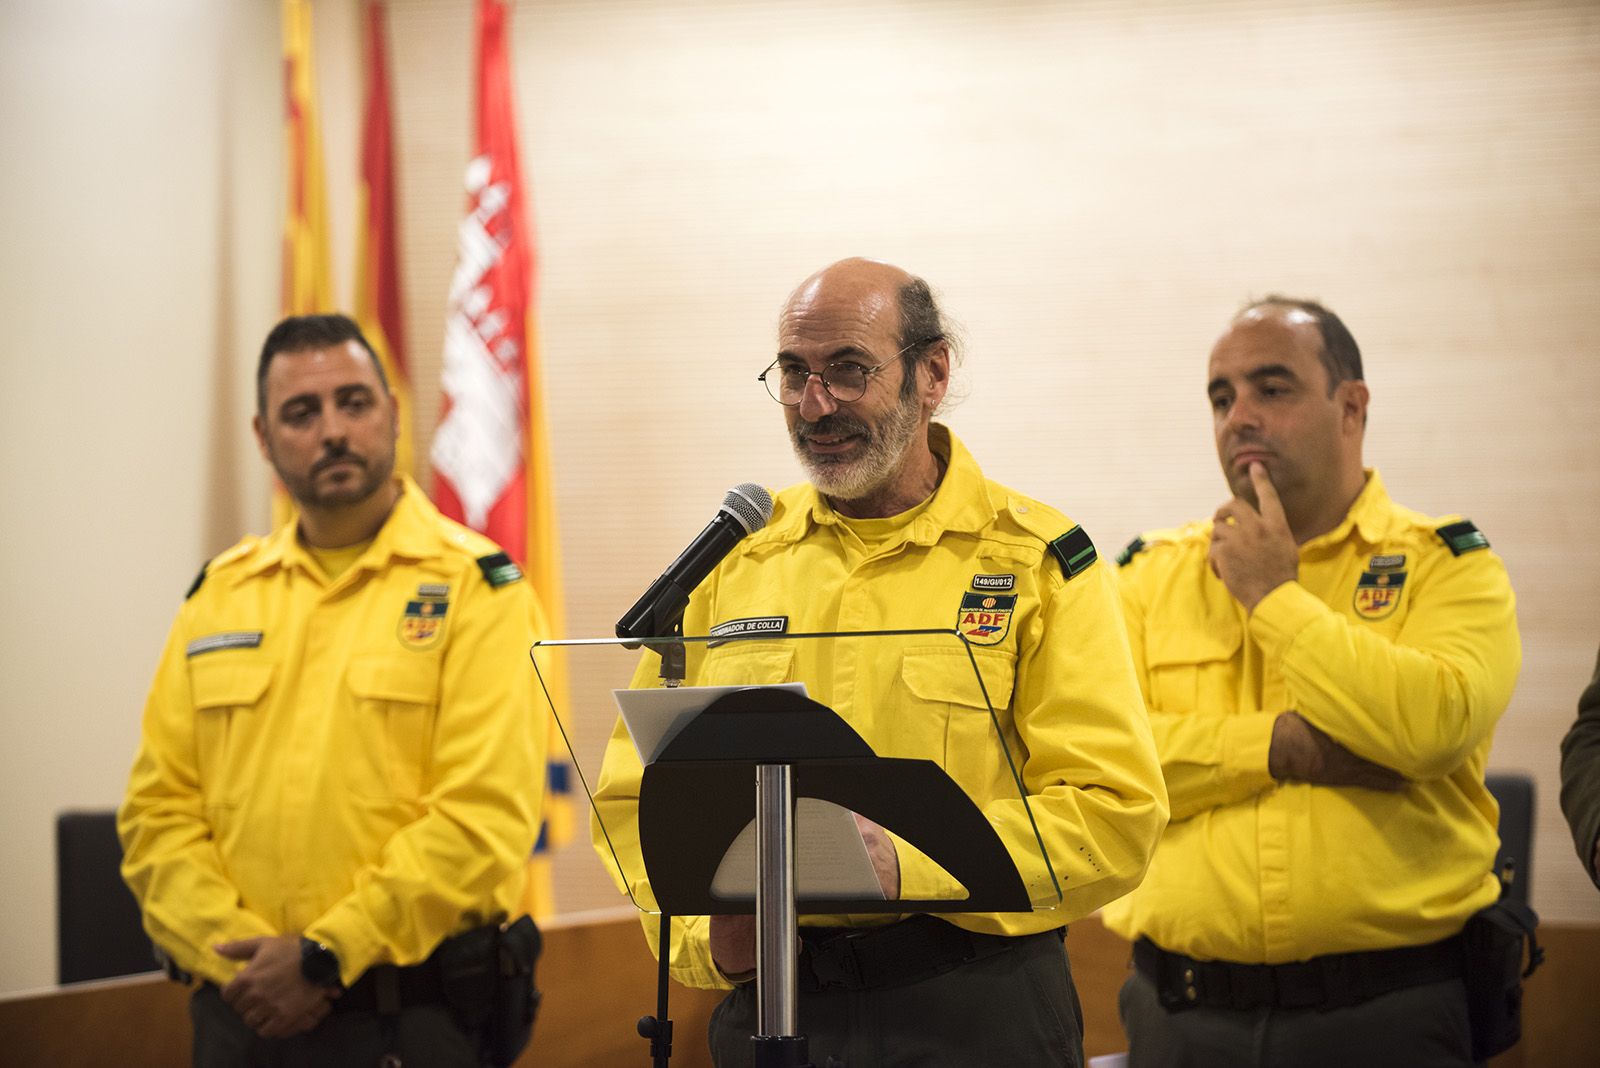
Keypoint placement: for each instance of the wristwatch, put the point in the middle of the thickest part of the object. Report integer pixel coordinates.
(318, 963)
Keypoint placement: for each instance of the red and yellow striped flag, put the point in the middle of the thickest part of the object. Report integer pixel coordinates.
(307, 278)
(377, 304)
(491, 461)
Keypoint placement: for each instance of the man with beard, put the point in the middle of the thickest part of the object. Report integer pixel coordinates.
(1324, 670)
(339, 778)
(897, 528)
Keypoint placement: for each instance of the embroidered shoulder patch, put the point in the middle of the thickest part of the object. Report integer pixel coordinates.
(1463, 537)
(985, 618)
(1129, 551)
(1378, 593)
(421, 622)
(499, 569)
(199, 580)
(1075, 551)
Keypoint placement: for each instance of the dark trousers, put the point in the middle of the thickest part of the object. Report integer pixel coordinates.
(426, 1037)
(1416, 1027)
(1018, 1008)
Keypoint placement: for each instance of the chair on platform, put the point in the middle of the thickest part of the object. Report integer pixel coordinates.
(98, 931)
(1514, 862)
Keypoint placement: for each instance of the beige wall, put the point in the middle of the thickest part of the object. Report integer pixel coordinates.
(1093, 187)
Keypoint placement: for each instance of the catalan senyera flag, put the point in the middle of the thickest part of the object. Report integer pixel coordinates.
(307, 277)
(377, 303)
(491, 461)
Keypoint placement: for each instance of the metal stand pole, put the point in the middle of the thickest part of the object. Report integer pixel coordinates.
(776, 1043)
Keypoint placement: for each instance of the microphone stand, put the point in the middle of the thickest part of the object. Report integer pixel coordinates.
(658, 1028)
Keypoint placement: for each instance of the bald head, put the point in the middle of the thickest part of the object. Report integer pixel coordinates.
(867, 287)
(873, 297)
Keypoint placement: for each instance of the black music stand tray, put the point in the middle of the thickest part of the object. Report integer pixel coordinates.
(696, 797)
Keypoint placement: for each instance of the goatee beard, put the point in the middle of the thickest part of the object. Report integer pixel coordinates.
(883, 450)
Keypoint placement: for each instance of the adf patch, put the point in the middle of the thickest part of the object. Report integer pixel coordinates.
(422, 623)
(1378, 593)
(985, 617)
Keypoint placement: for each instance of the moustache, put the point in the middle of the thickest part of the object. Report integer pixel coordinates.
(836, 425)
(342, 456)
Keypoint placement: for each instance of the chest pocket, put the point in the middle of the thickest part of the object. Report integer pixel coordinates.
(227, 693)
(1191, 669)
(396, 701)
(939, 682)
(747, 664)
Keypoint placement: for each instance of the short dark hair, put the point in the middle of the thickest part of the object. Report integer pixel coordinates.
(301, 332)
(921, 325)
(1341, 356)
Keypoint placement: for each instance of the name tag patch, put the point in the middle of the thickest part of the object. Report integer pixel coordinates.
(739, 628)
(232, 639)
(985, 618)
(994, 582)
(1378, 593)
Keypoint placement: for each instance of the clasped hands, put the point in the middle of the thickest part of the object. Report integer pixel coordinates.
(271, 995)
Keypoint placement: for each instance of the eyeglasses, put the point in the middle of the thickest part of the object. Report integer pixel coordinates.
(845, 380)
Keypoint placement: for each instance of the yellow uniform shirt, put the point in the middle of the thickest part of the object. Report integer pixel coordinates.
(1057, 670)
(359, 760)
(1400, 646)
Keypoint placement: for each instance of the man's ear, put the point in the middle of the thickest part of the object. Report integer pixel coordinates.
(260, 427)
(936, 367)
(1353, 398)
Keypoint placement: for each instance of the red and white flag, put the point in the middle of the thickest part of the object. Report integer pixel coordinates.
(491, 463)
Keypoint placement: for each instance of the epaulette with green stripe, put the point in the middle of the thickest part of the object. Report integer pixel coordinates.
(1075, 551)
(499, 569)
(1129, 551)
(1463, 537)
(199, 580)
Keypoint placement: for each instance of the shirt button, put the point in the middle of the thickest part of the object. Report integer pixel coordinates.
(1190, 993)
(1188, 976)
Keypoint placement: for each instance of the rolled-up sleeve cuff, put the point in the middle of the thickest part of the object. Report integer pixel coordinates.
(1281, 615)
(1246, 741)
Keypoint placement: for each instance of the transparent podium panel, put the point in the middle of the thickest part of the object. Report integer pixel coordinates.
(905, 766)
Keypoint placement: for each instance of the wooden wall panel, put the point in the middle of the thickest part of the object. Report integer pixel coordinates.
(598, 978)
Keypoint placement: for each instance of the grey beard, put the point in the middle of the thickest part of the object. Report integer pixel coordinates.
(886, 446)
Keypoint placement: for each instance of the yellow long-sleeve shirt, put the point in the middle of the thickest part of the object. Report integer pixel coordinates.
(1056, 669)
(358, 760)
(1401, 644)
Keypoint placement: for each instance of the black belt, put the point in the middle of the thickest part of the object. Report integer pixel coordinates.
(914, 949)
(1337, 980)
(385, 987)
(418, 984)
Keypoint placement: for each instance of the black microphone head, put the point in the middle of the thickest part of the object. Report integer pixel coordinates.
(750, 504)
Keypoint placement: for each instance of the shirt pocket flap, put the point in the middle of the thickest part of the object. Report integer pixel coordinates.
(227, 683)
(413, 680)
(1170, 646)
(945, 675)
(748, 664)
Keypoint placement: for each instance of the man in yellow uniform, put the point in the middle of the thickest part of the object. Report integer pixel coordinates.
(338, 780)
(898, 528)
(1324, 670)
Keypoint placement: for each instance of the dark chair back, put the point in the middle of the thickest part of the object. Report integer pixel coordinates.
(1514, 862)
(98, 930)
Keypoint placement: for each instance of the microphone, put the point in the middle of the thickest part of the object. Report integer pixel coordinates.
(745, 510)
